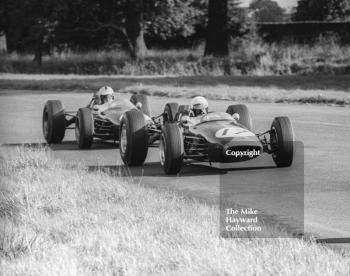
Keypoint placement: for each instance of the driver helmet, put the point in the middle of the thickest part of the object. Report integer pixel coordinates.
(199, 106)
(105, 95)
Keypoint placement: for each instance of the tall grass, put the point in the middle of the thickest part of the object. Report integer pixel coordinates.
(248, 57)
(61, 219)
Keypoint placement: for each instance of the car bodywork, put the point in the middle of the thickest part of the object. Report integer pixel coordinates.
(107, 122)
(224, 137)
(218, 137)
(103, 120)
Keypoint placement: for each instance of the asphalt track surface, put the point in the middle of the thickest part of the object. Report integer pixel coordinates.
(324, 159)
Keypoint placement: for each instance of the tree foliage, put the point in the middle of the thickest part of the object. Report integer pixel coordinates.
(173, 18)
(329, 10)
(266, 11)
(81, 24)
(217, 38)
(36, 26)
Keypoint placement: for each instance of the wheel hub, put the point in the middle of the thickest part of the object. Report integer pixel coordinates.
(46, 124)
(77, 130)
(162, 150)
(273, 141)
(123, 139)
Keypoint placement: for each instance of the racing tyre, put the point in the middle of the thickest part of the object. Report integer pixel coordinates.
(282, 141)
(84, 128)
(245, 118)
(133, 144)
(54, 122)
(171, 149)
(170, 111)
(138, 98)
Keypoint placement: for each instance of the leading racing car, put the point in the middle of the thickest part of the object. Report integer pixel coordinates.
(224, 137)
(90, 122)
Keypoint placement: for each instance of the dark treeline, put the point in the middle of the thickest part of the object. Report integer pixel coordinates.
(304, 32)
(36, 26)
(42, 27)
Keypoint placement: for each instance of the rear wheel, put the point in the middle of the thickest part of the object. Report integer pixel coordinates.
(170, 111)
(171, 149)
(282, 141)
(138, 98)
(84, 128)
(245, 118)
(133, 144)
(54, 122)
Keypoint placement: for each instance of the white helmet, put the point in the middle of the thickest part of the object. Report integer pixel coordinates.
(105, 94)
(199, 105)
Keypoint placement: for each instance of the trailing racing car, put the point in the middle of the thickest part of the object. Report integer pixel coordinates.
(223, 137)
(89, 122)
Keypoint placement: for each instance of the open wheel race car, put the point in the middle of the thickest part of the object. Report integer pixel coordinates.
(88, 122)
(223, 137)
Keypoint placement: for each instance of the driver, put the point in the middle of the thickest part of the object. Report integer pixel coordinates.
(103, 98)
(199, 106)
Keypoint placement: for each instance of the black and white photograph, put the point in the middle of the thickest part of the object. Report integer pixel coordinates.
(174, 137)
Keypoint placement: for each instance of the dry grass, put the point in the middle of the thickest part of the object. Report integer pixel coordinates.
(289, 89)
(248, 57)
(60, 219)
(325, 56)
(244, 94)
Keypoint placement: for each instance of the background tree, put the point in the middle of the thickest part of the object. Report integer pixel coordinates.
(217, 37)
(323, 10)
(3, 17)
(339, 10)
(43, 27)
(125, 23)
(238, 22)
(30, 25)
(266, 11)
(135, 28)
(174, 18)
(43, 20)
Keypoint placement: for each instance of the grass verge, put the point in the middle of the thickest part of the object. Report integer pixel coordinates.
(288, 89)
(60, 219)
(245, 94)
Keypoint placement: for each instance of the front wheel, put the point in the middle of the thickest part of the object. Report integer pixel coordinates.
(171, 149)
(170, 111)
(54, 122)
(282, 141)
(133, 135)
(84, 128)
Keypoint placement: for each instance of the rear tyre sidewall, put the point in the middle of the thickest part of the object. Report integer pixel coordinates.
(282, 141)
(53, 122)
(172, 140)
(170, 111)
(84, 128)
(136, 148)
(245, 117)
(143, 99)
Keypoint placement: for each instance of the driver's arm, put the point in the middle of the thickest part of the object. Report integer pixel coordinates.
(91, 103)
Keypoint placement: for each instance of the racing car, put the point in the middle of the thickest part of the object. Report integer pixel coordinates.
(88, 122)
(224, 137)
